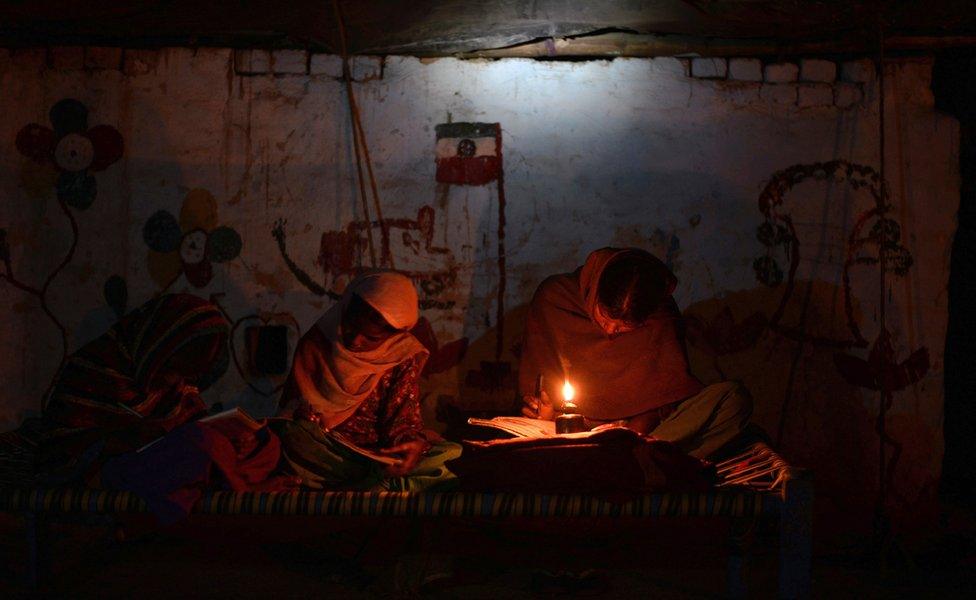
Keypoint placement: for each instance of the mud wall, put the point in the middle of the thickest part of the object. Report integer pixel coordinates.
(231, 175)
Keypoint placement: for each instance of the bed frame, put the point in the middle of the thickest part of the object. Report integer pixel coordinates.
(756, 483)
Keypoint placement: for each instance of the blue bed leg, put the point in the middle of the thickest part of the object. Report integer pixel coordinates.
(795, 545)
(740, 542)
(36, 538)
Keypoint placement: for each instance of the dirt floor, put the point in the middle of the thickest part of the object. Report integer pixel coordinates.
(298, 557)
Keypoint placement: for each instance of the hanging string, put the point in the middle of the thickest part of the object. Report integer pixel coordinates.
(384, 228)
(502, 279)
(356, 133)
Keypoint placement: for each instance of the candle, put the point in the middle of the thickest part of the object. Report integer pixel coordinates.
(569, 392)
(569, 421)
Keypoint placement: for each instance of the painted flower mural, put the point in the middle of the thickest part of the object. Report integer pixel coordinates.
(67, 153)
(190, 244)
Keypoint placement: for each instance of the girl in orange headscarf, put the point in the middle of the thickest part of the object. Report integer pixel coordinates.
(356, 377)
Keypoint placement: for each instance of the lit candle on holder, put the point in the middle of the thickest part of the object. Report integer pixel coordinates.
(570, 421)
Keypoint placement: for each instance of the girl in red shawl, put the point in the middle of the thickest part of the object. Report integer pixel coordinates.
(138, 381)
(611, 328)
(356, 376)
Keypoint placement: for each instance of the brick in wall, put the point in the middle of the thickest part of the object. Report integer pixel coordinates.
(858, 71)
(781, 72)
(252, 62)
(818, 70)
(365, 67)
(709, 68)
(329, 65)
(745, 69)
(289, 62)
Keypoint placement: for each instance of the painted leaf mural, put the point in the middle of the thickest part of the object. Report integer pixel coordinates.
(882, 370)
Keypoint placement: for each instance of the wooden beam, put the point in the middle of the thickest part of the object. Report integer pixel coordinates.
(611, 45)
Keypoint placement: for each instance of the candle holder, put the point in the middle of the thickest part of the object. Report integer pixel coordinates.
(570, 423)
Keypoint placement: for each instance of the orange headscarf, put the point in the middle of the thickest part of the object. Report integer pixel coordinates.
(334, 380)
(614, 378)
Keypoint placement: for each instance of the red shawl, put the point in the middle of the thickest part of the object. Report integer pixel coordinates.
(137, 371)
(614, 378)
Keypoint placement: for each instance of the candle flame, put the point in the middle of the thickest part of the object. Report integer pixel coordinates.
(568, 392)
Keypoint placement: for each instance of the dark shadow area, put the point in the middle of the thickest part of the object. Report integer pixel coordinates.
(954, 85)
(295, 557)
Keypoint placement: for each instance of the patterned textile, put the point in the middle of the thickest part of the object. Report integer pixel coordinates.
(725, 503)
(332, 380)
(129, 372)
(129, 386)
(391, 414)
(16, 459)
(754, 483)
(323, 463)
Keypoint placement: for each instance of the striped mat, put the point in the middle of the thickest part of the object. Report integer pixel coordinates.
(722, 502)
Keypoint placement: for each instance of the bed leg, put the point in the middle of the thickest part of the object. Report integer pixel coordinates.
(740, 543)
(796, 522)
(36, 548)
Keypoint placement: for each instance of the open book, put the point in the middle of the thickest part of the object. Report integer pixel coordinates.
(380, 458)
(518, 426)
(233, 423)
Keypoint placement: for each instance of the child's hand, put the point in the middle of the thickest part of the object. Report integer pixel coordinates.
(244, 444)
(538, 407)
(409, 454)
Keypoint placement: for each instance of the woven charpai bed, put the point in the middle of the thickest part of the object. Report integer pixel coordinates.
(753, 484)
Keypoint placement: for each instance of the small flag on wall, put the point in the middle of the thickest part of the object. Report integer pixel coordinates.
(468, 153)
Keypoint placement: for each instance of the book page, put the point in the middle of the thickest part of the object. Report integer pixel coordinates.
(237, 413)
(380, 458)
(518, 426)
